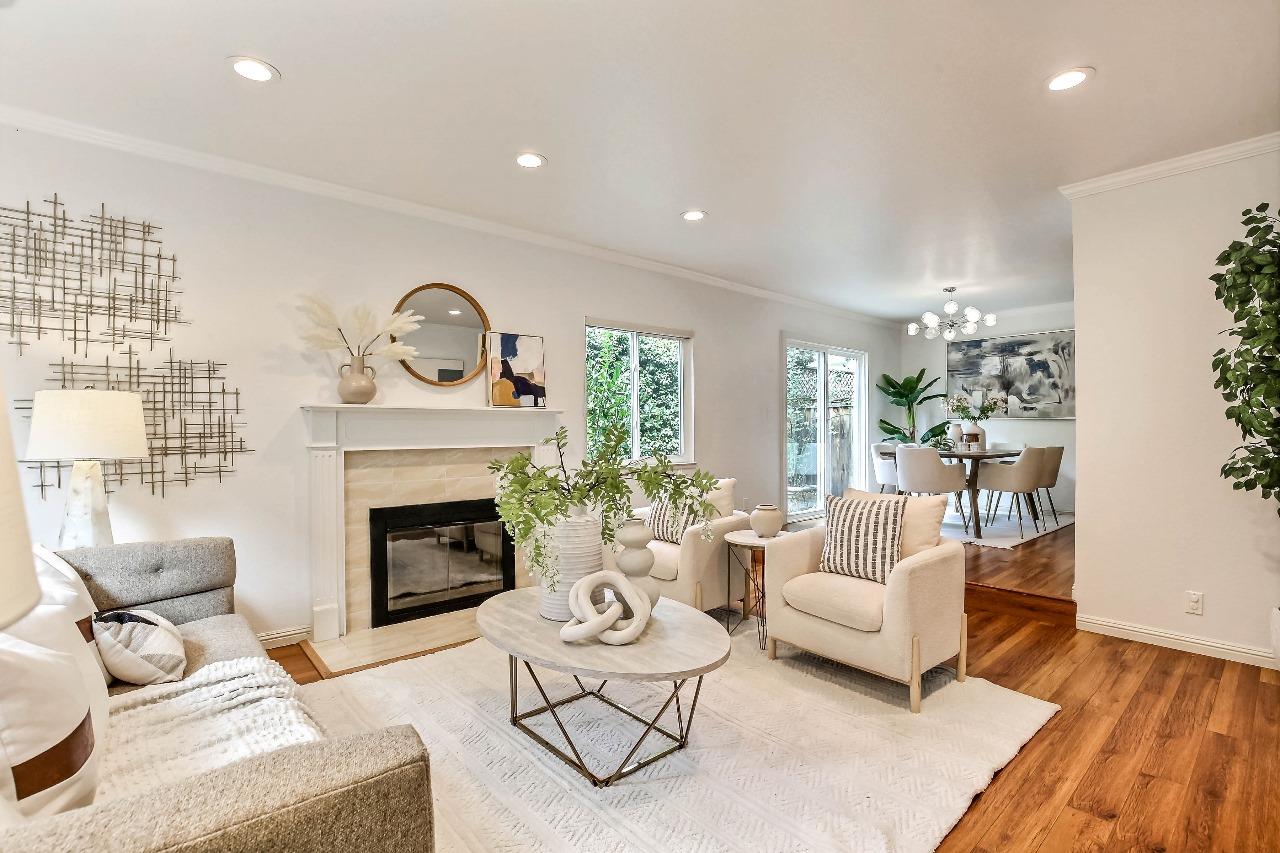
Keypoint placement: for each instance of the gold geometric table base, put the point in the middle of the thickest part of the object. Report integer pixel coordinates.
(679, 739)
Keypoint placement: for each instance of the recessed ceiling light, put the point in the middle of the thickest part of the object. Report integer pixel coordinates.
(693, 215)
(1069, 79)
(254, 69)
(529, 160)
(454, 311)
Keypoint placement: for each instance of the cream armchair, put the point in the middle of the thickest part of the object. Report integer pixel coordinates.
(693, 572)
(897, 630)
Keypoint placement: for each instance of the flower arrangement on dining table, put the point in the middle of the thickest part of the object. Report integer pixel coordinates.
(961, 407)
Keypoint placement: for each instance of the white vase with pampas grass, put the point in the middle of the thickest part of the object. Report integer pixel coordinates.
(359, 334)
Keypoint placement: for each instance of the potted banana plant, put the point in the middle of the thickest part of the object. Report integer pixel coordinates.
(909, 393)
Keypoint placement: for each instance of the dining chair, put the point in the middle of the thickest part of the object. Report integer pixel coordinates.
(1049, 469)
(1020, 480)
(886, 471)
(921, 471)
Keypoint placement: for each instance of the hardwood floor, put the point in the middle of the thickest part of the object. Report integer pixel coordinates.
(296, 663)
(1153, 750)
(1043, 566)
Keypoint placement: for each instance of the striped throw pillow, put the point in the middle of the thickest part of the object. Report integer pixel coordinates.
(668, 523)
(862, 537)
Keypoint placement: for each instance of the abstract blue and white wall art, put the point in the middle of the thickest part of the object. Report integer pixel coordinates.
(1032, 375)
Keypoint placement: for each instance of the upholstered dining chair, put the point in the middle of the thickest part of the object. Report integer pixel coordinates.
(1049, 468)
(693, 570)
(899, 629)
(921, 471)
(1020, 480)
(886, 471)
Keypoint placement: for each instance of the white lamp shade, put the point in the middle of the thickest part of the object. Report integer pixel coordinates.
(19, 591)
(87, 424)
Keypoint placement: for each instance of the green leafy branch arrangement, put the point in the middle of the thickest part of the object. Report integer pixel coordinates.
(1249, 373)
(910, 393)
(533, 499)
(961, 407)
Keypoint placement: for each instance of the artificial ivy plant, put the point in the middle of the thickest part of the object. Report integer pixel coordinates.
(1249, 372)
(909, 393)
(533, 499)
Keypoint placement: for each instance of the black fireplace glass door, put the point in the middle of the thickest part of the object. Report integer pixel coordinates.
(433, 558)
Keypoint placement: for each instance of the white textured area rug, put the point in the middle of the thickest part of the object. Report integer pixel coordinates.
(1004, 532)
(796, 754)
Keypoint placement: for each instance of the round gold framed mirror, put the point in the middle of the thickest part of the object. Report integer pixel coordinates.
(450, 342)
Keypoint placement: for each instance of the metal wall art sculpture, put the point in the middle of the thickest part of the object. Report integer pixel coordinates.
(106, 282)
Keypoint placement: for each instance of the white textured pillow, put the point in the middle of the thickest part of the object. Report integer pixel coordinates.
(59, 584)
(53, 627)
(139, 646)
(721, 497)
(48, 759)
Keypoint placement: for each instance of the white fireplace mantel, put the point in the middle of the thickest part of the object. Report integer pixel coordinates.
(333, 429)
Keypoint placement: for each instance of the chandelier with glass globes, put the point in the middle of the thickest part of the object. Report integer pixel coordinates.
(953, 320)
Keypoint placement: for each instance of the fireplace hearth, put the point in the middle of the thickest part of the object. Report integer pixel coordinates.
(433, 558)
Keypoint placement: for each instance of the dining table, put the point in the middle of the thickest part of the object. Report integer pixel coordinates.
(974, 458)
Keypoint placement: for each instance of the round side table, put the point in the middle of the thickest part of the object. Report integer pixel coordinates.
(753, 598)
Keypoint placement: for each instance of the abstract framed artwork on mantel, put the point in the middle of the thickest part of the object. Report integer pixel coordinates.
(517, 370)
(1032, 375)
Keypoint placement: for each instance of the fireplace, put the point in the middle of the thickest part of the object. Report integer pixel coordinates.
(432, 558)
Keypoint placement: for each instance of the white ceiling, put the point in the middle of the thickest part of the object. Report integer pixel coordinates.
(860, 153)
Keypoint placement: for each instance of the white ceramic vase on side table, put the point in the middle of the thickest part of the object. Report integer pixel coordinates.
(766, 520)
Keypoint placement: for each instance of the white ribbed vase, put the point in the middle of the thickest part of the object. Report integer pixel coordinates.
(579, 552)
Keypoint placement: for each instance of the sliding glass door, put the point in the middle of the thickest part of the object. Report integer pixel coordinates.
(825, 442)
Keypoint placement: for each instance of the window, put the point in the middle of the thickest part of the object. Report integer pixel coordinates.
(825, 443)
(638, 380)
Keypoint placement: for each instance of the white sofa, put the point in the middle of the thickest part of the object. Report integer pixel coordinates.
(897, 630)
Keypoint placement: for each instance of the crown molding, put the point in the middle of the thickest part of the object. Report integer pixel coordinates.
(1178, 165)
(64, 129)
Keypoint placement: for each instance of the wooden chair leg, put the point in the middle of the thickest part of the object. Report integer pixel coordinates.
(915, 675)
(962, 660)
(697, 596)
(772, 646)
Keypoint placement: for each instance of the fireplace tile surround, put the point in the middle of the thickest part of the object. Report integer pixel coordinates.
(372, 455)
(383, 478)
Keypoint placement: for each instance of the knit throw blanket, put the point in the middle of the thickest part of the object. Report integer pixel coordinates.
(222, 713)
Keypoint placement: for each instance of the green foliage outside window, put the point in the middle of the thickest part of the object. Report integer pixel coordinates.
(608, 391)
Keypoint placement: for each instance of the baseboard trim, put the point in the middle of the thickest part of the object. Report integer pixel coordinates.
(1182, 642)
(284, 636)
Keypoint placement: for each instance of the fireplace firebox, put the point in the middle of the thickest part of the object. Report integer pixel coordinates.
(433, 558)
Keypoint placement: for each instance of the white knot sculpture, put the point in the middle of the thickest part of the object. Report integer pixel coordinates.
(605, 621)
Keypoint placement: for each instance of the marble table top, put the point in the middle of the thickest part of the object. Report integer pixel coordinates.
(749, 539)
(679, 642)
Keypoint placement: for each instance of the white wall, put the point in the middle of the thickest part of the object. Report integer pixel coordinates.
(917, 352)
(1154, 517)
(247, 249)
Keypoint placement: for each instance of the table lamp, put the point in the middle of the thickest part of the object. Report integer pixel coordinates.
(19, 591)
(86, 427)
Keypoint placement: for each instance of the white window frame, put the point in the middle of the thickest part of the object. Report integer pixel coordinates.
(861, 417)
(686, 456)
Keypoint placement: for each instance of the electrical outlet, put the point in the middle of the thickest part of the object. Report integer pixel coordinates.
(1195, 603)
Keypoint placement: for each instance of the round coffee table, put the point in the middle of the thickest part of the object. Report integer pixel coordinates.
(678, 644)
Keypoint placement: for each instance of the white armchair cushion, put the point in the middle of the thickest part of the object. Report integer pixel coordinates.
(666, 559)
(721, 497)
(921, 523)
(852, 602)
